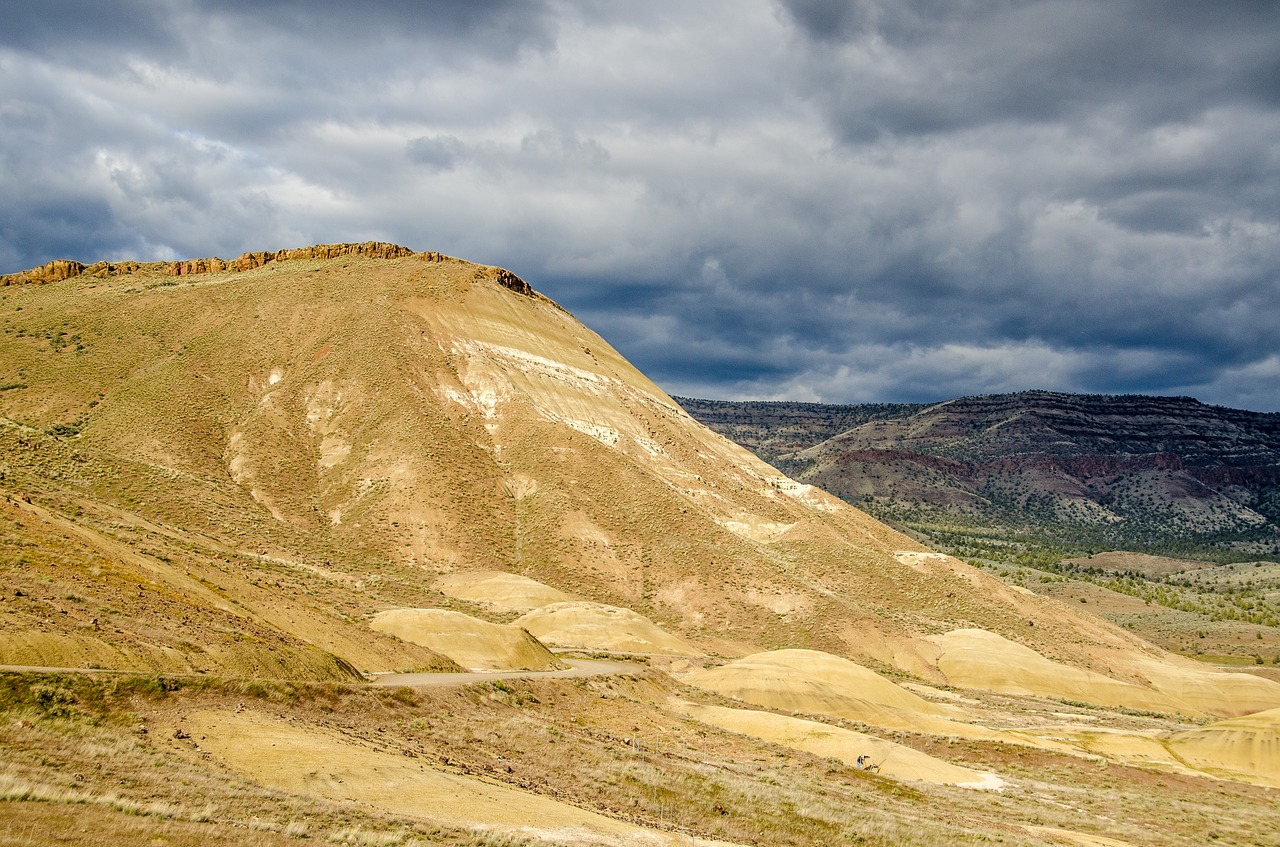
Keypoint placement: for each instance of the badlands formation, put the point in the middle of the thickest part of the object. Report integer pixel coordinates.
(324, 465)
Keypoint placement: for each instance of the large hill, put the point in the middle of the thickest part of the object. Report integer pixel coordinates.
(382, 418)
(311, 466)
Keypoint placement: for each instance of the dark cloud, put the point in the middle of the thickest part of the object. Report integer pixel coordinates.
(439, 18)
(487, 27)
(817, 200)
(908, 68)
(62, 26)
(436, 151)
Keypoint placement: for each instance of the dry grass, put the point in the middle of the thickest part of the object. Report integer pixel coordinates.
(606, 744)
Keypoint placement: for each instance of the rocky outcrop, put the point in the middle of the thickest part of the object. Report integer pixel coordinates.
(197, 266)
(61, 269)
(505, 278)
(369, 249)
(55, 271)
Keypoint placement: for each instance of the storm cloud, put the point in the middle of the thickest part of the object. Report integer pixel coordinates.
(803, 199)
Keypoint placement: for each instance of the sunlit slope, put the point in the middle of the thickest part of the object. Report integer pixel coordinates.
(475, 644)
(1248, 746)
(94, 587)
(374, 423)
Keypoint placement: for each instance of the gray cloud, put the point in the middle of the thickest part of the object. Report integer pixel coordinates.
(820, 200)
(64, 26)
(437, 151)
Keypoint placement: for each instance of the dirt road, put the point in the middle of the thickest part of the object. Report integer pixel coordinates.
(577, 667)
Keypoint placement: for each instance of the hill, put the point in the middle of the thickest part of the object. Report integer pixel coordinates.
(236, 491)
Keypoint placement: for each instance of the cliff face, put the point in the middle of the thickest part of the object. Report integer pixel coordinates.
(1132, 470)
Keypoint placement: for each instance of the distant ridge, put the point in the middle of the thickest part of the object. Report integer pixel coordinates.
(1135, 471)
(774, 428)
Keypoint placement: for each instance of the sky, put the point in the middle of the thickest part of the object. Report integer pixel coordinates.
(861, 201)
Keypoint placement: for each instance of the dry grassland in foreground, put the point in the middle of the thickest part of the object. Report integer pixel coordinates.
(138, 760)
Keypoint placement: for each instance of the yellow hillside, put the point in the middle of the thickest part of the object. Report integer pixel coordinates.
(594, 626)
(1248, 746)
(890, 759)
(813, 682)
(507, 592)
(472, 643)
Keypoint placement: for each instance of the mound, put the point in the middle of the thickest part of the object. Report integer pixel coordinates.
(1212, 692)
(594, 626)
(813, 682)
(893, 760)
(809, 681)
(507, 592)
(975, 658)
(1145, 749)
(1246, 747)
(470, 642)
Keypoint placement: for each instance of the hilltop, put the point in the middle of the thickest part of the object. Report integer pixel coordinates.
(236, 493)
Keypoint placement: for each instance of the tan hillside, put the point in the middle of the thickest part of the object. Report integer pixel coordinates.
(499, 590)
(848, 746)
(595, 626)
(472, 643)
(1248, 745)
(974, 658)
(318, 763)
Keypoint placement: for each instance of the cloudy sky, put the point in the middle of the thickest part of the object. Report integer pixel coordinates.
(774, 199)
